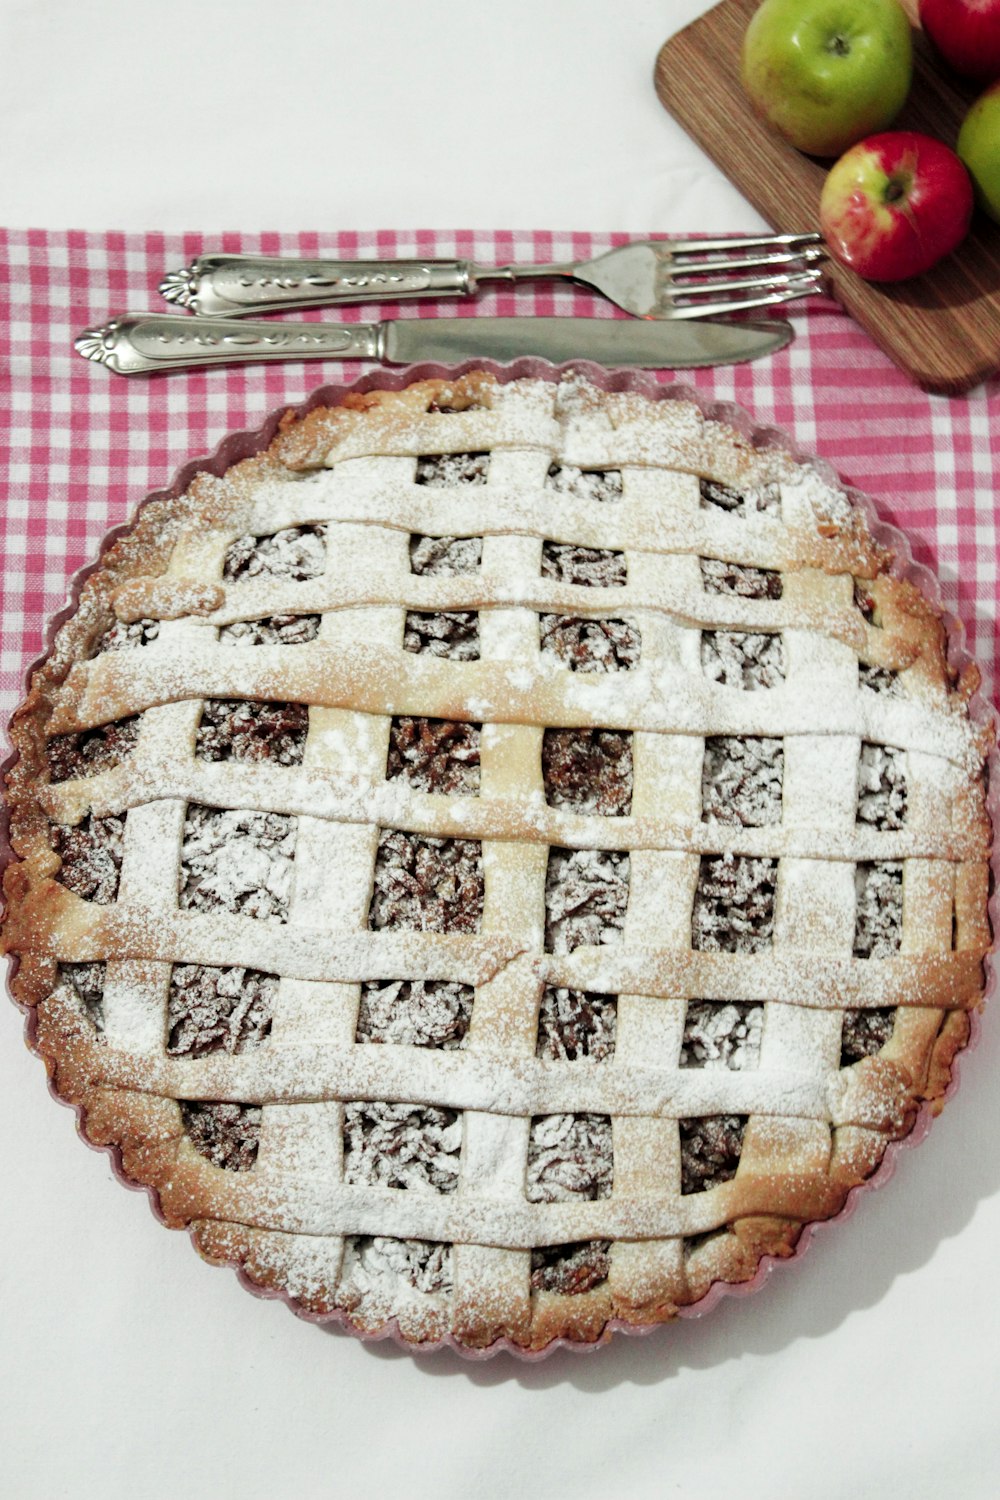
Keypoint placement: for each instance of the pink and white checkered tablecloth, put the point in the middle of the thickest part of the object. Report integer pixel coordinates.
(79, 446)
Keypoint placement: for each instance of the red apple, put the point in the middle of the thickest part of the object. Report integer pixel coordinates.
(895, 204)
(966, 33)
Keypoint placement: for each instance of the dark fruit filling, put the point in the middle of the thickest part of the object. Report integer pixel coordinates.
(122, 637)
(740, 579)
(879, 680)
(425, 1265)
(586, 894)
(87, 982)
(588, 645)
(464, 403)
(435, 755)
(881, 787)
(878, 924)
(864, 1033)
(603, 485)
(588, 770)
(445, 556)
(90, 751)
(433, 885)
(864, 600)
(736, 503)
(742, 659)
(227, 1134)
(591, 567)
(570, 1269)
(446, 470)
(569, 1156)
(91, 854)
(402, 1146)
(273, 630)
(721, 1034)
(734, 904)
(415, 1012)
(237, 729)
(573, 1024)
(296, 552)
(212, 1010)
(710, 1150)
(453, 634)
(237, 861)
(741, 780)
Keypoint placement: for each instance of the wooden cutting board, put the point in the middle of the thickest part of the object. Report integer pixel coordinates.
(943, 328)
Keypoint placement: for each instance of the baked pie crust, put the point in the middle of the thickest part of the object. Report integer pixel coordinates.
(501, 860)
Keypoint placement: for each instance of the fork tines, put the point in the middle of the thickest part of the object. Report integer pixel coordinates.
(789, 246)
(708, 268)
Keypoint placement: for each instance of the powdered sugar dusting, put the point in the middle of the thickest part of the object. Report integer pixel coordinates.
(590, 645)
(212, 1009)
(444, 556)
(574, 1025)
(384, 1269)
(403, 1146)
(741, 780)
(734, 904)
(447, 470)
(87, 984)
(755, 501)
(294, 552)
(237, 861)
(390, 890)
(415, 1013)
(603, 486)
(586, 893)
(434, 885)
(91, 856)
(588, 770)
(569, 1156)
(227, 1134)
(881, 787)
(879, 918)
(273, 630)
(450, 634)
(742, 659)
(590, 567)
(719, 1035)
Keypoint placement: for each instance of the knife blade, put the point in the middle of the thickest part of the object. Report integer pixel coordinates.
(144, 343)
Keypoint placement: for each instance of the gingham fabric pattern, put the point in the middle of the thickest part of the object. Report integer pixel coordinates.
(79, 447)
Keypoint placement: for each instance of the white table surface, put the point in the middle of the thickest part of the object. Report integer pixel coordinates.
(131, 1368)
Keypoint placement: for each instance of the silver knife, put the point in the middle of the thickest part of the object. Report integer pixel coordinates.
(142, 343)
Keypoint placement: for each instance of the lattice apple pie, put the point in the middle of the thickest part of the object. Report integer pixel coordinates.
(501, 860)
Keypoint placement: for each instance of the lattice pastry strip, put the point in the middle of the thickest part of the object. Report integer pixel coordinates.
(504, 858)
(341, 861)
(644, 1278)
(376, 681)
(492, 1283)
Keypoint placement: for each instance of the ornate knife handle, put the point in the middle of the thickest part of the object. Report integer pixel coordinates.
(230, 285)
(142, 343)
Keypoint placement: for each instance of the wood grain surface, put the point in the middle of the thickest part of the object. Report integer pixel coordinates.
(943, 328)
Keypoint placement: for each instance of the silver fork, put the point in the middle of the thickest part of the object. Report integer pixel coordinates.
(667, 279)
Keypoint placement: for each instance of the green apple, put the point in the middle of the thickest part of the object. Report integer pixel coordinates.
(979, 147)
(825, 73)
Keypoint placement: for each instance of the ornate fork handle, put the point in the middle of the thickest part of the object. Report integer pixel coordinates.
(230, 285)
(141, 344)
